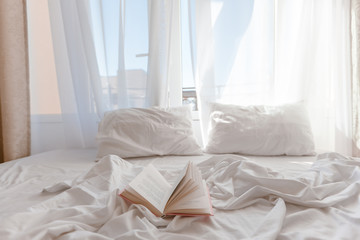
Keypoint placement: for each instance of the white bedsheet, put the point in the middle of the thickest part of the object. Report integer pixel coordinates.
(251, 199)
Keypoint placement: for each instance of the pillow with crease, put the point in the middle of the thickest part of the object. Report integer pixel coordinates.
(260, 130)
(139, 132)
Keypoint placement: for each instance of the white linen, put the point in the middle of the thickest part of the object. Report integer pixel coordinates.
(22, 180)
(137, 132)
(251, 201)
(260, 130)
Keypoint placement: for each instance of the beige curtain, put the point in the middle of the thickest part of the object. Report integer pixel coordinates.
(14, 81)
(355, 52)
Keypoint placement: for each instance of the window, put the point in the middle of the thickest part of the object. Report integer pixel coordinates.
(130, 66)
(189, 92)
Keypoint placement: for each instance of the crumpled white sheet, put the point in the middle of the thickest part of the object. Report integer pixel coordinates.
(250, 202)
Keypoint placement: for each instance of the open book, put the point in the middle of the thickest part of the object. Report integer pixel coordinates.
(188, 195)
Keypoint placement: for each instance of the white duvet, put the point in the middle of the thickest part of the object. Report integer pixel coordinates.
(250, 202)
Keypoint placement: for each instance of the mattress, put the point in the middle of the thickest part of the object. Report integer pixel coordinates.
(69, 194)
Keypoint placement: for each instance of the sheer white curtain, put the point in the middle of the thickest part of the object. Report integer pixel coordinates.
(113, 54)
(233, 52)
(276, 52)
(312, 63)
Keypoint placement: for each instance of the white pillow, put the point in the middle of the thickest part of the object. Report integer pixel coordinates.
(260, 130)
(140, 132)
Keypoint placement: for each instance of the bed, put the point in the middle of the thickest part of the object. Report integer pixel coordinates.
(74, 193)
(67, 194)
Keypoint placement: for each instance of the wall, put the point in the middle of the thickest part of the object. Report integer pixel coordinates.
(46, 122)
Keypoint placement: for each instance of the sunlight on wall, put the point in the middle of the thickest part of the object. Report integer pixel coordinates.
(43, 82)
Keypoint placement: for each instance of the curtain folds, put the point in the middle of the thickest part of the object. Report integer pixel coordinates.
(244, 52)
(112, 54)
(77, 72)
(279, 52)
(355, 57)
(164, 66)
(14, 81)
(312, 64)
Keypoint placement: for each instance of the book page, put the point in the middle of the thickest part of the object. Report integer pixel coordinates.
(193, 204)
(191, 183)
(152, 186)
(177, 182)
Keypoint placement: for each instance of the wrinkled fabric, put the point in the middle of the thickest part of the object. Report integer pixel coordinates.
(250, 202)
(139, 132)
(260, 130)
